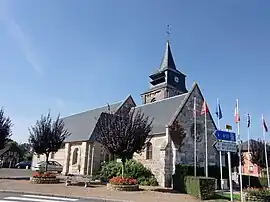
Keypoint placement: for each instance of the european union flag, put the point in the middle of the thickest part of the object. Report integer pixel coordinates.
(218, 111)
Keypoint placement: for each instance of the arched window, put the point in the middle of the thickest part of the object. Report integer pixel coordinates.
(149, 150)
(75, 156)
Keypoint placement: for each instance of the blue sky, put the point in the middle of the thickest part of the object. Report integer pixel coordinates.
(70, 55)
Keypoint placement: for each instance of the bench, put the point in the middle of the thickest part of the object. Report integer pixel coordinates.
(78, 179)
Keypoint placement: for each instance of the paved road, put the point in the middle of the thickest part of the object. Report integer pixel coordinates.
(12, 197)
(7, 172)
(19, 173)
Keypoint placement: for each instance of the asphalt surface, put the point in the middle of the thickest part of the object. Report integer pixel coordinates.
(13, 197)
(23, 174)
(7, 172)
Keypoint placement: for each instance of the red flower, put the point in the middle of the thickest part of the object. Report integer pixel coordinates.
(44, 175)
(122, 181)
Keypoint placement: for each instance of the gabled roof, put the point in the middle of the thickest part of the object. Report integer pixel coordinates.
(162, 111)
(5, 149)
(178, 111)
(244, 145)
(10, 146)
(81, 125)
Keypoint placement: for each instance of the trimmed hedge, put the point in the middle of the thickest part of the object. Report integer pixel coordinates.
(255, 182)
(181, 171)
(200, 187)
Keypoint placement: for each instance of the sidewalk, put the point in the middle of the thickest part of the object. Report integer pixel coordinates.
(98, 191)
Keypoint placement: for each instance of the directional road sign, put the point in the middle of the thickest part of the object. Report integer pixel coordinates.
(225, 146)
(225, 135)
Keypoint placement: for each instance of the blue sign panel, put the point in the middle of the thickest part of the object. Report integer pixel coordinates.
(225, 135)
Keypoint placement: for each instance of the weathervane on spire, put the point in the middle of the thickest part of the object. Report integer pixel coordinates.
(168, 32)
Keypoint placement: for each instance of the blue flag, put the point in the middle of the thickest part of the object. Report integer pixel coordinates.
(218, 111)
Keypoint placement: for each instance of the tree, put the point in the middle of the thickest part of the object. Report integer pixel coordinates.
(235, 159)
(257, 153)
(123, 133)
(26, 151)
(177, 134)
(47, 136)
(5, 129)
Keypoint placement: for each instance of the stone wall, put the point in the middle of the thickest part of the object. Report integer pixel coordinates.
(74, 166)
(186, 120)
(156, 164)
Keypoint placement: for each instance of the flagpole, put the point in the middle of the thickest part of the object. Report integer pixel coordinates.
(206, 141)
(195, 137)
(239, 144)
(220, 153)
(248, 155)
(265, 151)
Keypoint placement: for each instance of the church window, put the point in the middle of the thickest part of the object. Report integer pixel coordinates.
(149, 151)
(75, 156)
(153, 100)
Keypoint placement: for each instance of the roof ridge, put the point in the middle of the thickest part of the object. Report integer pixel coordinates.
(162, 100)
(113, 103)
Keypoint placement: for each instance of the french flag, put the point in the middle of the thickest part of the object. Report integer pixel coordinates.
(236, 113)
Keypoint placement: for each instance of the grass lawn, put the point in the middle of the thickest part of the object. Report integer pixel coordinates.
(227, 196)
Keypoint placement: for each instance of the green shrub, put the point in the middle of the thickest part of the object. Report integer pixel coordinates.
(258, 194)
(181, 171)
(201, 187)
(255, 182)
(133, 169)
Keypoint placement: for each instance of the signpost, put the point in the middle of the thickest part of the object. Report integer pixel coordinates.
(225, 136)
(226, 142)
(225, 146)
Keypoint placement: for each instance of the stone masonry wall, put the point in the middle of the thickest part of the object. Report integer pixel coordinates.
(156, 164)
(186, 119)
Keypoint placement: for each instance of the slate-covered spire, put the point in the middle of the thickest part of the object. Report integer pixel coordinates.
(167, 60)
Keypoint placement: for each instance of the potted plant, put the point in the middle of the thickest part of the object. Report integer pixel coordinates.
(44, 178)
(123, 184)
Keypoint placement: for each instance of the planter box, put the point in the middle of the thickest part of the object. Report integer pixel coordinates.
(44, 180)
(134, 187)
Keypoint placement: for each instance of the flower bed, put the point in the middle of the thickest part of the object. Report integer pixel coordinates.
(44, 178)
(123, 184)
(260, 195)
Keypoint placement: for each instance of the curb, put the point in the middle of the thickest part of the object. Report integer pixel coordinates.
(56, 195)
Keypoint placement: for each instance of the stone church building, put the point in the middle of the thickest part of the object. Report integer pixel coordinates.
(167, 100)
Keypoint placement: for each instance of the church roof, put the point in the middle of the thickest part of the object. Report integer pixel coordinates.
(167, 60)
(81, 125)
(162, 111)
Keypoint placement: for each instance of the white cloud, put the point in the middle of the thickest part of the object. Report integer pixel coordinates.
(16, 31)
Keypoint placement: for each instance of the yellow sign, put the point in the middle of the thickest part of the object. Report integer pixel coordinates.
(228, 127)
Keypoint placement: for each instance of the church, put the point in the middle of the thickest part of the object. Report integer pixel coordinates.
(166, 101)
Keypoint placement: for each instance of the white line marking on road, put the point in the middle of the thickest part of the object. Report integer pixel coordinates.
(30, 199)
(51, 197)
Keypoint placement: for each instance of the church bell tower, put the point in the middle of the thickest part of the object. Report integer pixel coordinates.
(167, 81)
